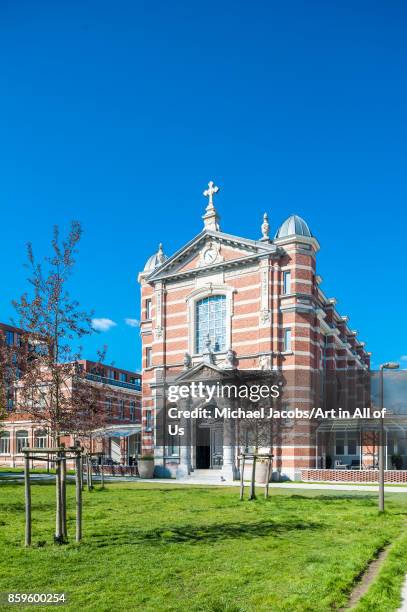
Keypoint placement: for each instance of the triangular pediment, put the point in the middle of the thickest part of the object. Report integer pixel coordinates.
(210, 250)
(203, 371)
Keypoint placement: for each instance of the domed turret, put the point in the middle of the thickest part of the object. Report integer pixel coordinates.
(293, 226)
(155, 260)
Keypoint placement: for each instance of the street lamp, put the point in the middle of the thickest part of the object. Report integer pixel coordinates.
(391, 365)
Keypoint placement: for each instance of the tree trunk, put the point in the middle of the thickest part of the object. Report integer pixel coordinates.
(78, 488)
(58, 514)
(266, 484)
(253, 480)
(81, 472)
(102, 474)
(27, 500)
(63, 496)
(89, 473)
(242, 477)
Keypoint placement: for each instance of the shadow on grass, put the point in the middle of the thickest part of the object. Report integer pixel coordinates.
(204, 533)
(19, 507)
(362, 498)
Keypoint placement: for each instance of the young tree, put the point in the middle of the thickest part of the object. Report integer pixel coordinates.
(51, 387)
(54, 325)
(90, 396)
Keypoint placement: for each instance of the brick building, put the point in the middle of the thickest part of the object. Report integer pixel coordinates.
(260, 305)
(119, 438)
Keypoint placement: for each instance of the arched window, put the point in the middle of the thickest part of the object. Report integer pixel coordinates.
(40, 438)
(210, 319)
(4, 443)
(21, 440)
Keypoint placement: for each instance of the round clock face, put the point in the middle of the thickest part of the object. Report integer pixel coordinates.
(210, 255)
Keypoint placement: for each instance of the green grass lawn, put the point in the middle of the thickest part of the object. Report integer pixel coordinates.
(167, 547)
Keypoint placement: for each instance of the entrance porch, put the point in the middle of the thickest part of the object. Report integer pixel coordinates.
(348, 451)
(118, 445)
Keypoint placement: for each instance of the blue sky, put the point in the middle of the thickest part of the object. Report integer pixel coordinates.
(118, 114)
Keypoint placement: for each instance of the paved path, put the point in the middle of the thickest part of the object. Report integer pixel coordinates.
(16, 477)
(284, 485)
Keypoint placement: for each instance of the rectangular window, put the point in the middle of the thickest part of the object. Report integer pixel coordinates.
(40, 440)
(340, 446)
(149, 420)
(21, 442)
(287, 282)
(109, 407)
(4, 444)
(210, 314)
(148, 308)
(123, 377)
(121, 408)
(135, 381)
(352, 446)
(287, 340)
(132, 411)
(10, 338)
(173, 446)
(149, 357)
(111, 374)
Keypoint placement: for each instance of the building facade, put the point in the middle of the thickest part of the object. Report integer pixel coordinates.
(118, 435)
(252, 304)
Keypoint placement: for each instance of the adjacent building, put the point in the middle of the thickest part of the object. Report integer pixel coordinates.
(119, 435)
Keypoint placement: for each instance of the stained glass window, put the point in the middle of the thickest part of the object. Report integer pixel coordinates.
(211, 320)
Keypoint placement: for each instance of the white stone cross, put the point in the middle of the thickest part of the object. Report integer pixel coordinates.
(209, 193)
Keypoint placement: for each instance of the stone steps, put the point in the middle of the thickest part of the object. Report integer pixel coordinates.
(214, 476)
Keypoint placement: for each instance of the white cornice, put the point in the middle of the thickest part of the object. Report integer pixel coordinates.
(313, 242)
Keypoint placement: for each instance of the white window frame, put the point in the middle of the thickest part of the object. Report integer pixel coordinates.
(149, 309)
(5, 437)
(18, 438)
(219, 302)
(286, 348)
(149, 420)
(40, 434)
(205, 292)
(286, 274)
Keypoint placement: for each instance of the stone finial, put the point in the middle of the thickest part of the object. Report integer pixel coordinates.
(265, 227)
(187, 361)
(160, 254)
(265, 362)
(207, 353)
(211, 217)
(230, 358)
